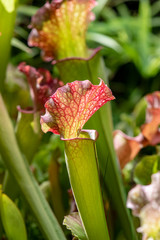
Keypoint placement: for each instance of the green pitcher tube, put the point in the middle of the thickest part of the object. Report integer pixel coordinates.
(81, 160)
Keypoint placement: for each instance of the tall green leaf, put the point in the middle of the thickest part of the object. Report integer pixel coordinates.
(12, 220)
(7, 16)
(20, 171)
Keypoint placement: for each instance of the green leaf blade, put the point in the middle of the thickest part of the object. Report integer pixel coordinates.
(12, 219)
(73, 223)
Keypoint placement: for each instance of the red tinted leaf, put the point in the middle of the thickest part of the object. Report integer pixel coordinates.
(59, 28)
(151, 128)
(153, 100)
(72, 105)
(41, 83)
(126, 147)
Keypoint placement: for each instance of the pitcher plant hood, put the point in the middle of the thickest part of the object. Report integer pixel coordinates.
(59, 28)
(69, 108)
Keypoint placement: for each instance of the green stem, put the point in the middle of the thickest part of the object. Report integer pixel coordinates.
(83, 172)
(21, 173)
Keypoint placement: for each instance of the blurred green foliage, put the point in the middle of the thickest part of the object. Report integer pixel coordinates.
(145, 168)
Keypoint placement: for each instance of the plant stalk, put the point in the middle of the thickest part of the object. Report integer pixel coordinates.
(83, 173)
(19, 169)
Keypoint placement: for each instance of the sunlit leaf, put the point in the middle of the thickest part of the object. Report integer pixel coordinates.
(27, 10)
(15, 42)
(9, 5)
(73, 223)
(100, 6)
(12, 220)
(106, 41)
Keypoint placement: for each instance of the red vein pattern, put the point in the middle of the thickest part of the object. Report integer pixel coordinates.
(59, 27)
(72, 105)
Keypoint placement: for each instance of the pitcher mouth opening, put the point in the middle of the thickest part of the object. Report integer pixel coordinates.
(92, 51)
(88, 134)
